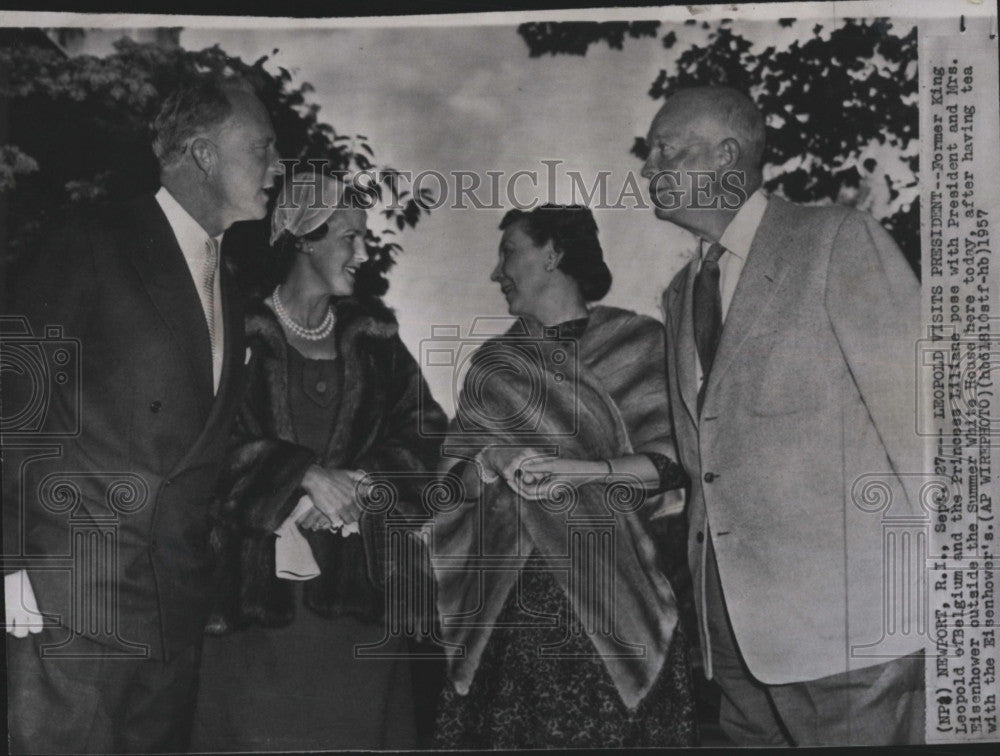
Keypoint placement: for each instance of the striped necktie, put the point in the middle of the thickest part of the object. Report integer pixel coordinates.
(208, 300)
(707, 313)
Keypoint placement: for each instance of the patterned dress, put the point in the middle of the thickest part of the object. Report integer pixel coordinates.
(521, 699)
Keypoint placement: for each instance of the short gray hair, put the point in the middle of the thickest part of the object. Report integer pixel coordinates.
(190, 111)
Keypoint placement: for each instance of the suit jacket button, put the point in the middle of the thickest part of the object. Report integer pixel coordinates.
(709, 477)
(700, 537)
(155, 406)
(168, 482)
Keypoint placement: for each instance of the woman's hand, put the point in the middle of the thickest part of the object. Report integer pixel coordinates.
(334, 493)
(313, 519)
(491, 462)
(532, 478)
(538, 470)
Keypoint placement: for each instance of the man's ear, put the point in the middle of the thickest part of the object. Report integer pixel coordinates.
(728, 153)
(204, 154)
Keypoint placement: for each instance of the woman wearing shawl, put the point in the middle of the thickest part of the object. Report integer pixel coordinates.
(561, 629)
(333, 394)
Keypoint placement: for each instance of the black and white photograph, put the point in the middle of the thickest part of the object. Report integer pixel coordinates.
(493, 379)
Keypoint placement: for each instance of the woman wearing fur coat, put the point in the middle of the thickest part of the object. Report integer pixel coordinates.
(333, 396)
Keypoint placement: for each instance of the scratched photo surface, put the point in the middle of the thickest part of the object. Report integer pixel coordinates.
(597, 378)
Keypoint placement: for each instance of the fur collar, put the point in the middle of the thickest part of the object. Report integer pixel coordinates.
(360, 325)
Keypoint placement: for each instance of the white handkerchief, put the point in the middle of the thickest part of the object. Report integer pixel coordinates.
(293, 559)
(246, 357)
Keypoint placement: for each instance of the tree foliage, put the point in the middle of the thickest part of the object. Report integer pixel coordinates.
(841, 104)
(575, 37)
(80, 132)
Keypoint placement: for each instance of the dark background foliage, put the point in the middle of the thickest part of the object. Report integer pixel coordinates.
(78, 132)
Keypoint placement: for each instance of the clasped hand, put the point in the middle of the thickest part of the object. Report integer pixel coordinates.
(532, 475)
(334, 494)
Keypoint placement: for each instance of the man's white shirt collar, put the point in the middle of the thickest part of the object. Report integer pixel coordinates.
(190, 235)
(741, 230)
(736, 239)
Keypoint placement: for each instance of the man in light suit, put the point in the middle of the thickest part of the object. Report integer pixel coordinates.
(106, 532)
(790, 343)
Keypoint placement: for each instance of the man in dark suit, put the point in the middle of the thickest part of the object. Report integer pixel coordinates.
(105, 497)
(790, 343)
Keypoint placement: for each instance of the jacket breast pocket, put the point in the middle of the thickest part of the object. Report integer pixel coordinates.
(786, 374)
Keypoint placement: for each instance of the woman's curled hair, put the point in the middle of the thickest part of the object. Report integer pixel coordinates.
(573, 233)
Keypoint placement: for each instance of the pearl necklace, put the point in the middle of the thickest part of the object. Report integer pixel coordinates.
(321, 331)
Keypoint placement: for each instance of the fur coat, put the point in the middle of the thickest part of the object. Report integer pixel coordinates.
(606, 400)
(387, 422)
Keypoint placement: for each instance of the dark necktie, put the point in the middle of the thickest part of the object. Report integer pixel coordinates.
(707, 313)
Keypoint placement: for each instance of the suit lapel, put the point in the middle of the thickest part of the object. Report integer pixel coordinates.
(230, 383)
(165, 274)
(762, 274)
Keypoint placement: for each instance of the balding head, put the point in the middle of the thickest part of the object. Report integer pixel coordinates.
(720, 113)
(706, 146)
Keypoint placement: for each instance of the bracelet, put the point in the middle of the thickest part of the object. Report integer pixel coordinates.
(671, 475)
